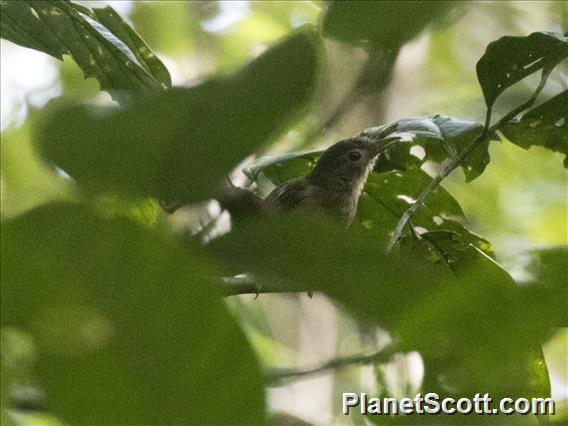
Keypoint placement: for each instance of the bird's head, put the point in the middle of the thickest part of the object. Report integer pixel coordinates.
(347, 163)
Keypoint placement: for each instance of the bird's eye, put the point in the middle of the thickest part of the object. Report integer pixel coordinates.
(354, 155)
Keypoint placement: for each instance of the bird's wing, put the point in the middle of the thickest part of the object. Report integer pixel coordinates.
(289, 195)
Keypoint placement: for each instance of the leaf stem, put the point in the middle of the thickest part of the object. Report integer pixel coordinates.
(454, 162)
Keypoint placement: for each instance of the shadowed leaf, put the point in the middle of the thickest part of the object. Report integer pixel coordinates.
(510, 59)
(179, 144)
(466, 316)
(440, 137)
(386, 24)
(129, 328)
(546, 126)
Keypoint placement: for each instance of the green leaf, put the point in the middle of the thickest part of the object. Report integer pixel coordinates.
(485, 301)
(510, 59)
(466, 318)
(546, 125)
(386, 24)
(284, 167)
(486, 320)
(440, 137)
(58, 28)
(386, 195)
(179, 144)
(547, 286)
(446, 243)
(146, 58)
(302, 249)
(129, 328)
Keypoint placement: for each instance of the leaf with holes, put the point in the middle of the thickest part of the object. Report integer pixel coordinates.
(387, 196)
(510, 59)
(439, 137)
(546, 125)
(61, 28)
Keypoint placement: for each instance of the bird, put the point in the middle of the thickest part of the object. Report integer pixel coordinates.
(335, 184)
(333, 187)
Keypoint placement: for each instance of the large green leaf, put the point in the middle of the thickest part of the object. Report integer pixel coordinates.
(467, 318)
(386, 24)
(487, 309)
(180, 143)
(510, 59)
(547, 285)
(129, 328)
(546, 125)
(485, 315)
(100, 42)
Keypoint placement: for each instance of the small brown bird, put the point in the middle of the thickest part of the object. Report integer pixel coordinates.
(332, 187)
(336, 182)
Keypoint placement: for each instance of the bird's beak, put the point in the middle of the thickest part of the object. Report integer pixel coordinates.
(379, 146)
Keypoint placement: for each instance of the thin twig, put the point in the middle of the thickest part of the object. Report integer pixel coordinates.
(451, 165)
(275, 376)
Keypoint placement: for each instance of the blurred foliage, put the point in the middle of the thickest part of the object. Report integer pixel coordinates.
(100, 316)
(486, 319)
(96, 288)
(543, 286)
(33, 184)
(385, 24)
(177, 157)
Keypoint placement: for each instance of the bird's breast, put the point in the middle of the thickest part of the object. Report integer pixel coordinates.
(339, 203)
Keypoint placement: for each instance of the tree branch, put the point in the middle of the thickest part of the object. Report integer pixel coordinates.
(245, 284)
(452, 163)
(275, 376)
